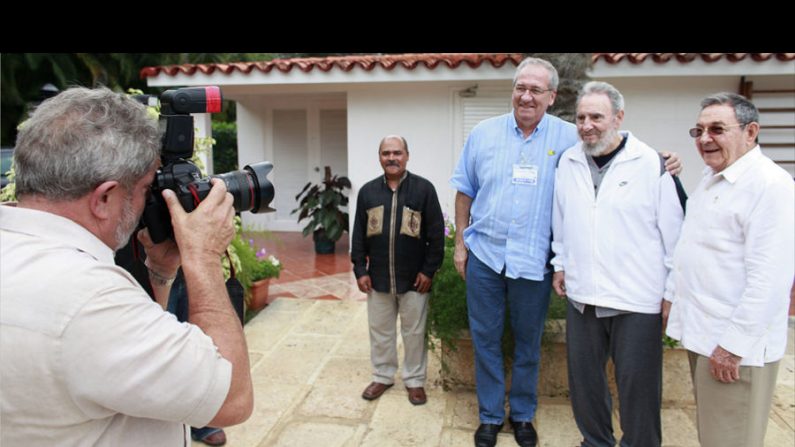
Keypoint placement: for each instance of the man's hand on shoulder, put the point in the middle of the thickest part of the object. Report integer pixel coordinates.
(673, 164)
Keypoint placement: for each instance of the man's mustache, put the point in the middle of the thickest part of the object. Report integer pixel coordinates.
(393, 163)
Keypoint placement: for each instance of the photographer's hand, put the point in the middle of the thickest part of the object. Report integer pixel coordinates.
(208, 230)
(163, 261)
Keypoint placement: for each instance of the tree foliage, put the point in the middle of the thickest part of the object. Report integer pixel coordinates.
(24, 74)
(572, 69)
(225, 148)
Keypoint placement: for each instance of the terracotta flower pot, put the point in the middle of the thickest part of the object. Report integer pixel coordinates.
(259, 294)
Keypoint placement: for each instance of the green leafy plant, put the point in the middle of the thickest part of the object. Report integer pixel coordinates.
(669, 342)
(447, 310)
(225, 147)
(322, 203)
(8, 193)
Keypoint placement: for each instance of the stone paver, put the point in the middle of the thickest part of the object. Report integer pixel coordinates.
(396, 422)
(310, 363)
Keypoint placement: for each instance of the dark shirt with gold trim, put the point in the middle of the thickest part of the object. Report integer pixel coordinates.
(397, 234)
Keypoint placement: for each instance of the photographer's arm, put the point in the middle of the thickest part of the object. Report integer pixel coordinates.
(202, 237)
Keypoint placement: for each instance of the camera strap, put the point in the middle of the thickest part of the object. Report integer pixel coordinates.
(196, 199)
(235, 290)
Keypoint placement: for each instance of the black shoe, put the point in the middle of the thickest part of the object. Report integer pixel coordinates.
(525, 434)
(486, 435)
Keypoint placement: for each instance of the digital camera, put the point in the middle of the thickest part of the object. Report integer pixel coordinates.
(250, 187)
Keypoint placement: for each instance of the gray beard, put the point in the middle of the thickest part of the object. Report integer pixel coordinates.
(129, 221)
(602, 146)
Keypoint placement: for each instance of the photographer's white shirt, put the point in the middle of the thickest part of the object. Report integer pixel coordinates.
(86, 357)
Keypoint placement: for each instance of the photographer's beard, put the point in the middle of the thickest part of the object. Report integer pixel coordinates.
(603, 145)
(128, 223)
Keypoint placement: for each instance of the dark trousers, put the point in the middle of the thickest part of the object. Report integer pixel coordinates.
(634, 342)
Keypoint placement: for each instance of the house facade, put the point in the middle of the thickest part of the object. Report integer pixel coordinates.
(306, 113)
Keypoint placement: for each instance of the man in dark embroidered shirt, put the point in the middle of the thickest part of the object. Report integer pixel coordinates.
(398, 245)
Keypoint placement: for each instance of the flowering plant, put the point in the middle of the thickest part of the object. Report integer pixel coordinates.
(254, 264)
(267, 266)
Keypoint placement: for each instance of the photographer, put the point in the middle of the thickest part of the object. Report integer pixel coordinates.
(87, 357)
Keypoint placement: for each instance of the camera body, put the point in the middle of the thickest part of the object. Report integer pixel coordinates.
(251, 189)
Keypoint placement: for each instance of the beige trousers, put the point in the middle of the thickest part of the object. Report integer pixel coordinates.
(382, 312)
(732, 414)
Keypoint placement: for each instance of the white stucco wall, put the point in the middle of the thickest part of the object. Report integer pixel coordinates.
(422, 114)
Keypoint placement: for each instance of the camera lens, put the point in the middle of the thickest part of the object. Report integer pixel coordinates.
(250, 187)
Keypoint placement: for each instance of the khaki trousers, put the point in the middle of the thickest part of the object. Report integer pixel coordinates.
(382, 312)
(732, 414)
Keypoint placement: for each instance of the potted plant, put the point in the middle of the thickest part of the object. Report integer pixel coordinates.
(256, 270)
(321, 204)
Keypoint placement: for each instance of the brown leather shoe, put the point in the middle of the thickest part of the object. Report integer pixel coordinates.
(375, 390)
(417, 395)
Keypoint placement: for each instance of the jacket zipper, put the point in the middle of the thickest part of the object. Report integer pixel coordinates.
(392, 285)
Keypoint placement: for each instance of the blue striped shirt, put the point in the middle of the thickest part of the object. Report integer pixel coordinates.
(511, 224)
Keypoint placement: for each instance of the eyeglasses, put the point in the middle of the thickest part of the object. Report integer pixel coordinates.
(534, 91)
(696, 132)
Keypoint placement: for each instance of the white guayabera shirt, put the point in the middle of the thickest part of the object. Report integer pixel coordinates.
(734, 263)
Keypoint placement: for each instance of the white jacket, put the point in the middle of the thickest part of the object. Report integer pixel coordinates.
(616, 248)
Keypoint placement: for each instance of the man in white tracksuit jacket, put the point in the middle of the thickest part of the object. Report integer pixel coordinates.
(616, 221)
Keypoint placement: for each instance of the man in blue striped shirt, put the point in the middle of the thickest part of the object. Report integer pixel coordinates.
(505, 180)
(503, 214)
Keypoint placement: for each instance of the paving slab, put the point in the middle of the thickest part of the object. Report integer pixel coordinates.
(310, 361)
(314, 434)
(396, 422)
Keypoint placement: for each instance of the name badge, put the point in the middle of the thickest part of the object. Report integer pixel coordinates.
(525, 175)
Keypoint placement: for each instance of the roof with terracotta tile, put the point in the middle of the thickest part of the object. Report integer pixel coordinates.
(434, 60)
(344, 63)
(661, 58)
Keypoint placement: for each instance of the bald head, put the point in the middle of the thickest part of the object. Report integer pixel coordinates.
(393, 138)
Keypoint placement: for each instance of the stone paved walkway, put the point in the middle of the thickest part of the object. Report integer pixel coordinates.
(310, 363)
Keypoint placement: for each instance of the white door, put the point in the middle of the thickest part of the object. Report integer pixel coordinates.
(304, 142)
(291, 162)
(334, 141)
